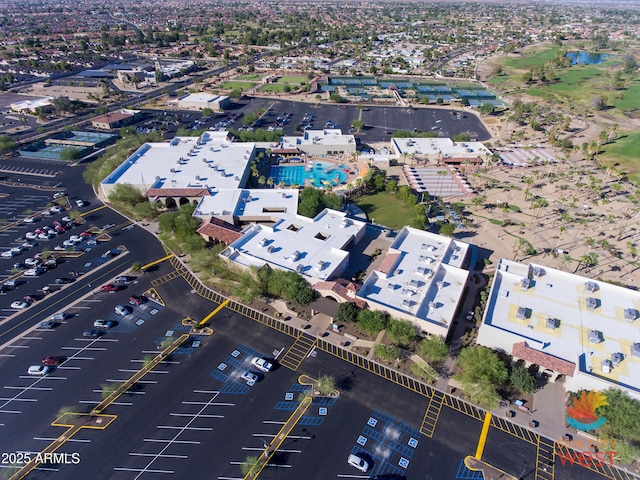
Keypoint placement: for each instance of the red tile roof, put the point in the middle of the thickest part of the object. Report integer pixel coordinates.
(389, 262)
(111, 118)
(341, 287)
(521, 350)
(286, 151)
(177, 192)
(220, 230)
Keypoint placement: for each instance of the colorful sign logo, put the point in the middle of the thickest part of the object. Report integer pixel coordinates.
(582, 412)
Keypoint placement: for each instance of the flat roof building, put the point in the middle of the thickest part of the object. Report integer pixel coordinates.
(329, 141)
(313, 247)
(421, 279)
(186, 167)
(30, 106)
(441, 150)
(584, 331)
(200, 101)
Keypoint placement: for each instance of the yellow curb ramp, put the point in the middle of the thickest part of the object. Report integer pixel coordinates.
(155, 262)
(483, 435)
(489, 472)
(93, 211)
(216, 310)
(98, 421)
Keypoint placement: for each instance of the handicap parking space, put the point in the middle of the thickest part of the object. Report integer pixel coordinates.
(387, 443)
(230, 370)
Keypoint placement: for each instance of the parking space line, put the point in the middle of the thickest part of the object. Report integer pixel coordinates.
(123, 370)
(170, 427)
(209, 404)
(11, 411)
(78, 358)
(7, 355)
(62, 367)
(210, 392)
(203, 415)
(297, 437)
(134, 454)
(129, 392)
(114, 380)
(94, 349)
(124, 469)
(261, 449)
(156, 440)
(164, 362)
(44, 389)
(273, 422)
(51, 439)
(19, 399)
(32, 338)
(93, 402)
(46, 377)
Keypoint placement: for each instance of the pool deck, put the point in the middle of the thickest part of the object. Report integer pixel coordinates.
(354, 169)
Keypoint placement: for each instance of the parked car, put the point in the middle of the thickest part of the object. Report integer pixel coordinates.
(58, 316)
(120, 310)
(109, 288)
(121, 281)
(30, 220)
(19, 305)
(52, 361)
(58, 195)
(358, 462)
(103, 323)
(261, 364)
(33, 272)
(7, 254)
(249, 377)
(136, 300)
(91, 333)
(48, 324)
(80, 203)
(55, 209)
(38, 370)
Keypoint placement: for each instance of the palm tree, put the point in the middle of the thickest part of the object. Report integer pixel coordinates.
(478, 200)
(325, 385)
(270, 182)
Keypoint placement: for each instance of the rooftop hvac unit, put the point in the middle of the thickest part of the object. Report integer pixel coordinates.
(236, 178)
(157, 178)
(299, 268)
(204, 160)
(173, 170)
(197, 177)
(270, 249)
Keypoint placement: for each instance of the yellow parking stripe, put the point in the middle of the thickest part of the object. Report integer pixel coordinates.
(92, 211)
(483, 435)
(217, 309)
(155, 262)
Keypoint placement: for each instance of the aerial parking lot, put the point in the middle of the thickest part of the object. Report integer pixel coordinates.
(198, 415)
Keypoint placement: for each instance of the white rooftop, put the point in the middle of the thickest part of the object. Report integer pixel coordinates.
(248, 203)
(439, 146)
(201, 97)
(311, 246)
(328, 136)
(210, 161)
(421, 277)
(570, 317)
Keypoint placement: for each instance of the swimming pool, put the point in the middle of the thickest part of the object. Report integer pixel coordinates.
(320, 174)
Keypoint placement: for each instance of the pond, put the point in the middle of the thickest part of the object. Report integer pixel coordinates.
(587, 58)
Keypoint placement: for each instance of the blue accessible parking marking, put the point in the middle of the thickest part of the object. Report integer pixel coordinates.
(465, 474)
(388, 443)
(238, 361)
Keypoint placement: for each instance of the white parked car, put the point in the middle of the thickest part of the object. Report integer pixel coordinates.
(249, 377)
(7, 254)
(69, 243)
(55, 209)
(358, 462)
(19, 305)
(30, 220)
(31, 235)
(39, 370)
(261, 364)
(58, 317)
(121, 281)
(103, 323)
(80, 203)
(120, 310)
(44, 236)
(66, 218)
(33, 272)
(32, 262)
(75, 238)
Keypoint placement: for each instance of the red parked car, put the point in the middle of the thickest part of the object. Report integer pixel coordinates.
(136, 300)
(108, 288)
(52, 361)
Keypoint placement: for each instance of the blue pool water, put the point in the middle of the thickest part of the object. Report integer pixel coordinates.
(319, 173)
(586, 58)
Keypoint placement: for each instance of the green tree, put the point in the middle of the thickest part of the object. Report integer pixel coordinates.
(358, 124)
(347, 312)
(70, 153)
(126, 194)
(207, 112)
(480, 366)
(433, 348)
(326, 385)
(447, 229)
(522, 380)
(249, 463)
(387, 352)
(487, 109)
(372, 321)
(401, 332)
(622, 414)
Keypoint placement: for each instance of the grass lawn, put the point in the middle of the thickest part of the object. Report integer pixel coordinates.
(249, 76)
(233, 85)
(273, 87)
(386, 210)
(626, 152)
(292, 79)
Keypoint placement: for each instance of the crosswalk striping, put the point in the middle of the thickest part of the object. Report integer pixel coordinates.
(431, 414)
(298, 351)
